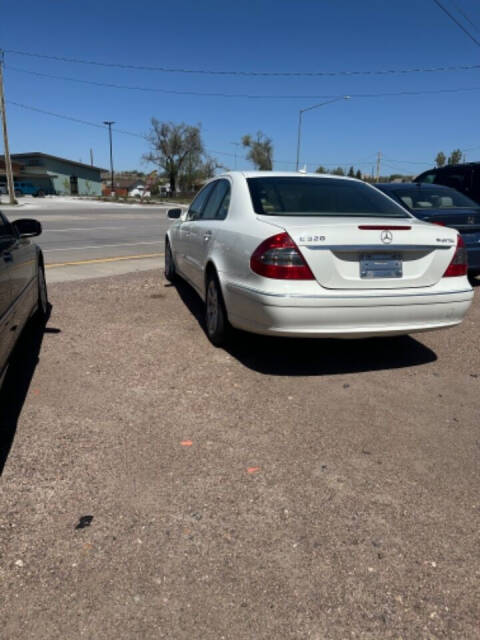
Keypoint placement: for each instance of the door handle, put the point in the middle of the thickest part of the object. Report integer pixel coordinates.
(207, 235)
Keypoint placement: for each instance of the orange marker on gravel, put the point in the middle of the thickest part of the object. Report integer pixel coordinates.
(253, 469)
(186, 443)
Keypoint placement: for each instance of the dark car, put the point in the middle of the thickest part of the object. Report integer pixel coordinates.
(441, 205)
(462, 177)
(23, 291)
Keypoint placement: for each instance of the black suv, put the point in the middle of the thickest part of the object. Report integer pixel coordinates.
(462, 177)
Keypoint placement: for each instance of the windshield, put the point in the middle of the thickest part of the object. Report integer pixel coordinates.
(292, 196)
(422, 197)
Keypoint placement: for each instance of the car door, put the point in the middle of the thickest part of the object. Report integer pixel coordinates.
(22, 256)
(6, 293)
(204, 232)
(185, 234)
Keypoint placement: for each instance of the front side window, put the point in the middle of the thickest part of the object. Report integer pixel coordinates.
(199, 201)
(292, 196)
(217, 205)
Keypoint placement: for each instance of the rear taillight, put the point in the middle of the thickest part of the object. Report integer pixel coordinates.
(459, 264)
(279, 257)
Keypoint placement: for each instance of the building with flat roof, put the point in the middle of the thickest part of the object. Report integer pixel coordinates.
(52, 174)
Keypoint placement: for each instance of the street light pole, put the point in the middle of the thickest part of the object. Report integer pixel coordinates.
(109, 123)
(300, 116)
(236, 144)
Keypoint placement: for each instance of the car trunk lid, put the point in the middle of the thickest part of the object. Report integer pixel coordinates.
(370, 253)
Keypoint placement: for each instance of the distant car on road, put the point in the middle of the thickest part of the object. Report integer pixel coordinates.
(315, 256)
(139, 192)
(441, 205)
(23, 290)
(28, 189)
(462, 177)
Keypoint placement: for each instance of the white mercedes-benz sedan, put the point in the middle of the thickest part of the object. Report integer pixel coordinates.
(308, 255)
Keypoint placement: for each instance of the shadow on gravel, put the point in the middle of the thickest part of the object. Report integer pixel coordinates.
(314, 357)
(15, 386)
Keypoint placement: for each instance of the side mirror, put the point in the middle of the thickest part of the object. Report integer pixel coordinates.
(174, 214)
(27, 228)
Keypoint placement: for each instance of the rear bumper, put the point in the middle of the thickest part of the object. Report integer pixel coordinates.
(345, 315)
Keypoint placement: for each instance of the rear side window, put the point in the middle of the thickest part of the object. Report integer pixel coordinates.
(454, 178)
(217, 205)
(292, 196)
(199, 201)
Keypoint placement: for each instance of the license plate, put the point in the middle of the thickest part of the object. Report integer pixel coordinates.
(381, 265)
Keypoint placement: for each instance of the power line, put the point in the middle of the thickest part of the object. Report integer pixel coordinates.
(240, 95)
(459, 9)
(119, 65)
(459, 24)
(144, 137)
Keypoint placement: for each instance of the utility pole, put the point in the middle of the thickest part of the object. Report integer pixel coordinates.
(8, 163)
(109, 125)
(379, 159)
(91, 157)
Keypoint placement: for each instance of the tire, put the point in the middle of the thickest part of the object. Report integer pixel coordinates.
(40, 193)
(216, 320)
(42, 305)
(18, 193)
(170, 271)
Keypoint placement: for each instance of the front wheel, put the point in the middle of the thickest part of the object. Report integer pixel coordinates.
(216, 320)
(170, 271)
(42, 304)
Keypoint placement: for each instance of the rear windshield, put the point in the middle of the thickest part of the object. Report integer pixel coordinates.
(285, 196)
(423, 197)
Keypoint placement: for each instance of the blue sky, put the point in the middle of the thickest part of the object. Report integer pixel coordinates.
(266, 35)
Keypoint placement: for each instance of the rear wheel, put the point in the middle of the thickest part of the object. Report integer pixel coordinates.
(216, 320)
(170, 271)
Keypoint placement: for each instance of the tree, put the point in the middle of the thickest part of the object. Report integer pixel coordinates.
(260, 151)
(351, 173)
(455, 157)
(195, 170)
(320, 169)
(171, 145)
(358, 175)
(440, 159)
(338, 172)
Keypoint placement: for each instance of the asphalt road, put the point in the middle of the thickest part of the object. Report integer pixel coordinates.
(156, 487)
(81, 230)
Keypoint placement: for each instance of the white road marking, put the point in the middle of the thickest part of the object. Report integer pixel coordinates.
(104, 246)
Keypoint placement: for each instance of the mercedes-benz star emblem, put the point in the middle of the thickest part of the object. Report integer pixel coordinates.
(386, 237)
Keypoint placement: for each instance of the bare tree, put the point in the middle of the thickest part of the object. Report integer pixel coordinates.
(170, 146)
(260, 151)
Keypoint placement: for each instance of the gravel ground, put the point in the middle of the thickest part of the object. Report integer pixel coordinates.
(281, 489)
